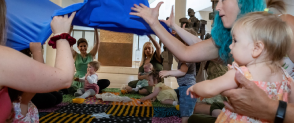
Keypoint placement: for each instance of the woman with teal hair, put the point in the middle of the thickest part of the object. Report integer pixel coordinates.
(217, 47)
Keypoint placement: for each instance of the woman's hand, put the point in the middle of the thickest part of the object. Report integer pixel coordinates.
(62, 24)
(163, 74)
(171, 21)
(150, 15)
(35, 47)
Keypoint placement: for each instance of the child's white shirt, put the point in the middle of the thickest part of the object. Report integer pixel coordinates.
(91, 79)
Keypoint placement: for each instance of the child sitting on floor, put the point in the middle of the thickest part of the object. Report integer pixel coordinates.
(163, 93)
(148, 67)
(186, 77)
(260, 41)
(90, 88)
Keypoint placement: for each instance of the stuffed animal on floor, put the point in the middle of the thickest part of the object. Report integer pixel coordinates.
(112, 97)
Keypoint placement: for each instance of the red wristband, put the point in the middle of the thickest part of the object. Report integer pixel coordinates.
(66, 36)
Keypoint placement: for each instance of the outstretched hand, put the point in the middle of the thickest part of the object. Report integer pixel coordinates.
(150, 15)
(62, 24)
(163, 74)
(171, 20)
(191, 91)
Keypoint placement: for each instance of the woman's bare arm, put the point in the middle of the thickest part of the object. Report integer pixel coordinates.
(157, 47)
(25, 74)
(95, 49)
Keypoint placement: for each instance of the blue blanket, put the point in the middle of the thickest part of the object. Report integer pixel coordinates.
(110, 15)
(29, 20)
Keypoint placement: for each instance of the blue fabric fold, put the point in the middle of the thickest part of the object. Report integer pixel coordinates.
(112, 15)
(28, 21)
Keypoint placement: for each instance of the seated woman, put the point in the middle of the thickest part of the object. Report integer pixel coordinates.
(148, 56)
(81, 62)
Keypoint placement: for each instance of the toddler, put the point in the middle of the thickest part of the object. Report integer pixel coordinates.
(90, 88)
(148, 67)
(260, 41)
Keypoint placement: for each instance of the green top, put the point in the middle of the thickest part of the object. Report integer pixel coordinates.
(82, 64)
(81, 67)
(156, 64)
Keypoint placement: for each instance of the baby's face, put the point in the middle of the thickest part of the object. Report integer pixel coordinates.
(147, 68)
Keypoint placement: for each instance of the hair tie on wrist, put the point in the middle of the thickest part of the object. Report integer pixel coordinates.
(66, 36)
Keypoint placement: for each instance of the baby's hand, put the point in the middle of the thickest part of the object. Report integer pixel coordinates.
(142, 99)
(191, 92)
(163, 74)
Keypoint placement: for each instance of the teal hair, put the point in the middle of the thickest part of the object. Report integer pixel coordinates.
(222, 36)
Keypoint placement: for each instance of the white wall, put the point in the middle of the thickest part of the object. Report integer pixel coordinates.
(165, 8)
(290, 6)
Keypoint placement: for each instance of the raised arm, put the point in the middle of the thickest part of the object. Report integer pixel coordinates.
(189, 38)
(157, 47)
(95, 49)
(202, 51)
(25, 74)
(211, 88)
(175, 73)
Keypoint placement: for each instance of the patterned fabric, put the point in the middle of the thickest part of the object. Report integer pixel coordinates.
(165, 112)
(172, 119)
(275, 91)
(129, 110)
(52, 109)
(67, 118)
(134, 102)
(214, 70)
(83, 109)
(31, 117)
(126, 119)
(93, 100)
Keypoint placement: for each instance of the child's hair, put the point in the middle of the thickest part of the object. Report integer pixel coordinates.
(149, 65)
(190, 30)
(95, 64)
(271, 30)
(155, 76)
(82, 40)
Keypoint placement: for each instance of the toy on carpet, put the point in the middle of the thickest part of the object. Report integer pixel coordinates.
(78, 100)
(112, 97)
(123, 89)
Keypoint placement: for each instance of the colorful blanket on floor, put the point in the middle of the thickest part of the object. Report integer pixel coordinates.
(119, 112)
(128, 110)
